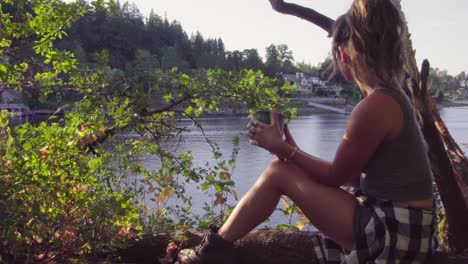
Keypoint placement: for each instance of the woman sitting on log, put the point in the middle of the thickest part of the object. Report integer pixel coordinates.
(383, 154)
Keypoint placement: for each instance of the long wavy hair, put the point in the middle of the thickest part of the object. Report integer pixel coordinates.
(371, 33)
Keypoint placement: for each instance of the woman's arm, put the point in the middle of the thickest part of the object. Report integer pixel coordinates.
(371, 122)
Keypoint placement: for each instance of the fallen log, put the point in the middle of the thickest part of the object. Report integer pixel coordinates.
(263, 246)
(268, 246)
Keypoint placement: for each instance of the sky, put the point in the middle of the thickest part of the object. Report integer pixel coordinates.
(439, 27)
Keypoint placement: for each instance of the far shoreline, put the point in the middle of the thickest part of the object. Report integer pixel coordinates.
(302, 111)
(452, 103)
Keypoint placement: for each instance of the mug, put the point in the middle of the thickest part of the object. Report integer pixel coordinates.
(264, 117)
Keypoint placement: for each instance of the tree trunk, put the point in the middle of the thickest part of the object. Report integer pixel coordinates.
(266, 246)
(449, 167)
(449, 164)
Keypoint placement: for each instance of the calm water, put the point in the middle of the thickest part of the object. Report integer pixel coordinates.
(318, 134)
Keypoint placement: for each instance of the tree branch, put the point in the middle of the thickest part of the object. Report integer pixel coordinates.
(305, 13)
(90, 142)
(424, 77)
(166, 108)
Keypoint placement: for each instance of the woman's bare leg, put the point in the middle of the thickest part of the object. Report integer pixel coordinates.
(329, 209)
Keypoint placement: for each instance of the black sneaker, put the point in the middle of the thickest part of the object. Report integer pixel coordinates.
(212, 250)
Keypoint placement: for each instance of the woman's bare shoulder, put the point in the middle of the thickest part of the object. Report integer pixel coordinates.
(380, 112)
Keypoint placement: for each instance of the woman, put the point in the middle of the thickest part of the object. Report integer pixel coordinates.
(389, 219)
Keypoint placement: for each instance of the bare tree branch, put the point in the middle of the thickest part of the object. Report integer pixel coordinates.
(424, 77)
(305, 13)
(171, 106)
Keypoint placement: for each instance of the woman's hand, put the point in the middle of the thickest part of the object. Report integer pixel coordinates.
(266, 136)
(288, 137)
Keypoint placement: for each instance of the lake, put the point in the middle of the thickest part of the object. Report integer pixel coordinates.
(318, 134)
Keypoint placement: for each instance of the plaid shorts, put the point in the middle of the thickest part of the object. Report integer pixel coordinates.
(384, 232)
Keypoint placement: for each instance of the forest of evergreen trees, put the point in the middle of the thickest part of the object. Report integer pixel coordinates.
(138, 45)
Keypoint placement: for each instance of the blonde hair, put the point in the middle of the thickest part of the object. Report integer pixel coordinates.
(371, 32)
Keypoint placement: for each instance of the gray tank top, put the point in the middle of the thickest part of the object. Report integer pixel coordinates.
(400, 170)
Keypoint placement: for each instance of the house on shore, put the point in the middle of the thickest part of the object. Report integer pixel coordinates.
(309, 84)
(463, 91)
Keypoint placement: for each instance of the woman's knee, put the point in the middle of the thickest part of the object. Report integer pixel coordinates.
(278, 171)
(275, 167)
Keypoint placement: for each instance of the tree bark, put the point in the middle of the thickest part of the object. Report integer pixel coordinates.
(265, 246)
(450, 170)
(449, 163)
(308, 14)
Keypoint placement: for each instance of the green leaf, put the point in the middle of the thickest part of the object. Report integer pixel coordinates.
(205, 186)
(4, 118)
(283, 227)
(168, 97)
(3, 73)
(27, 146)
